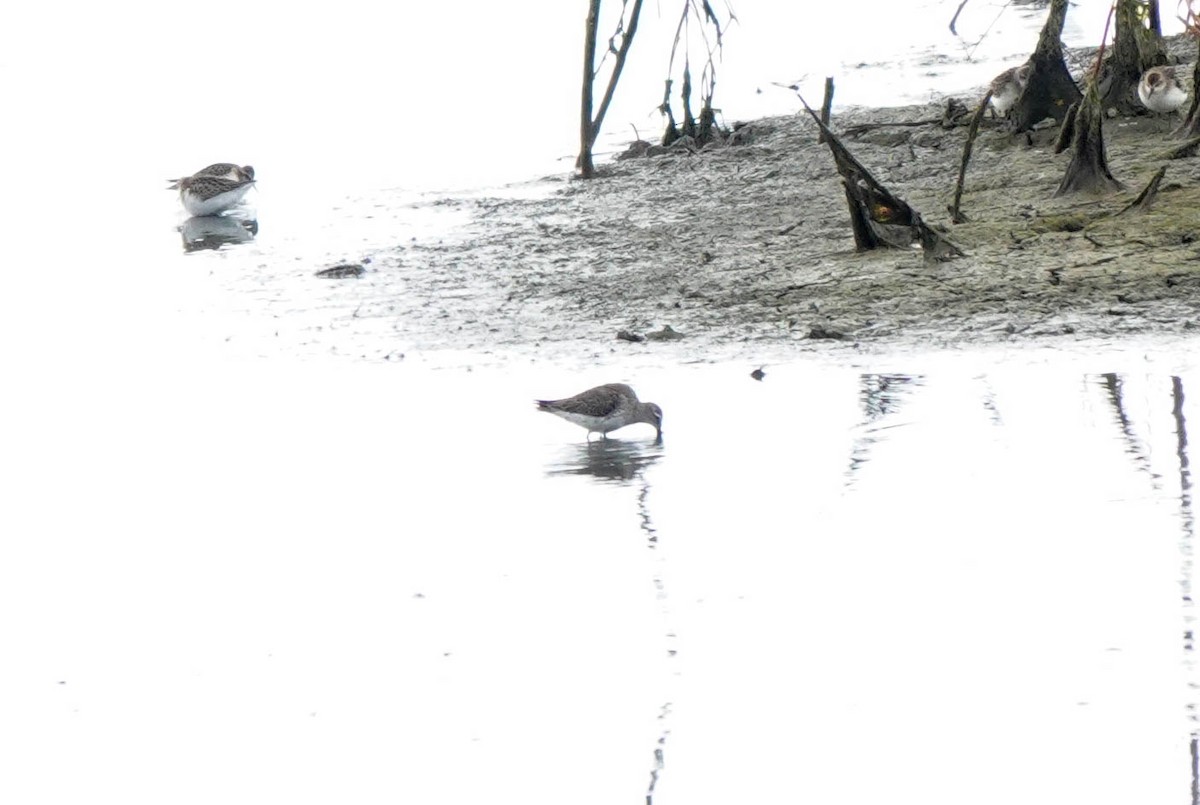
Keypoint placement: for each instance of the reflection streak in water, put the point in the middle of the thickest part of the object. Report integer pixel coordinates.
(1181, 453)
(1187, 547)
(882, 396)
(621, 462)
(1114, 385)
(989, 401)
(1098, 434)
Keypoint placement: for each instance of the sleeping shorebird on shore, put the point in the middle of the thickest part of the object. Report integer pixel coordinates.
(1160, 90)
(211, 195)
(1008, 86)
(225, 170)
(604, 409)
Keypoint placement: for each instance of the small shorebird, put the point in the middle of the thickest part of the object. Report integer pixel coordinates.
(1160, 90)
(225, 170)
(604, 409)
(1008, 86)
(210, 195)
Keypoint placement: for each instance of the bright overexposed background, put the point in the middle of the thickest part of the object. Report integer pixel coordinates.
(439, 95)
(313, 578)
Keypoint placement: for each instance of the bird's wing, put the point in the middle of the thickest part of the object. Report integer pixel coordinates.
(601, 401)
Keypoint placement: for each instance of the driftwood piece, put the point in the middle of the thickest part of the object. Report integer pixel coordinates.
(877, 217)
(1148, 195)
(954, 112)
(951, 118)
(862, 128)
(1088, 171)
(1183, 150)
(1050, 91)
(955, 212)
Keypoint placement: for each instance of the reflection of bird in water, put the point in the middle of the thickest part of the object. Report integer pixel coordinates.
(1160, 90)
(222, 170)
(214, 231)
(607, 460)
(1008, 86)
(605, 409)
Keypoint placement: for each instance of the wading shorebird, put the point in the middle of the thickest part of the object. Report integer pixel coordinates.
(224, 170)
(210, 195)
(1160, 90)
(604, 409)
(1008, 86)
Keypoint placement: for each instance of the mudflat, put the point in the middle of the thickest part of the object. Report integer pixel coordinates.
(749, 242)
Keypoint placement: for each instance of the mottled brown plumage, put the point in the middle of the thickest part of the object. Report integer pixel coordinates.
(223, 170)
(211, 195)
(1008, 86)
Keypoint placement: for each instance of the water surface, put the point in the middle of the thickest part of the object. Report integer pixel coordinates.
(387, 583)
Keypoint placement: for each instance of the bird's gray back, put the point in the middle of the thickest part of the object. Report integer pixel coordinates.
(602, 401)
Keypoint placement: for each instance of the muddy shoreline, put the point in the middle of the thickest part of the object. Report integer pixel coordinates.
(751, 244)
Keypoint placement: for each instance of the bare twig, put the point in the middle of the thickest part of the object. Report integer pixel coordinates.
(1149, 193)
(1066, 132)
(626, 41)
(826, 106)
(1184, 150)
(954, 19)
(589, 125)
(698, 127)
(862, 128)
(1103, 42)
(955, 212)
(787, 229)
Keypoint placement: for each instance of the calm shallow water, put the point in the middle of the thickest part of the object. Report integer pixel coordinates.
(385, 583)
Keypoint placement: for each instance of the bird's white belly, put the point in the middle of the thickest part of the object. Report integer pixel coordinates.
(1164, 100)
(211, 206)
(594, 424)
(1003, 101)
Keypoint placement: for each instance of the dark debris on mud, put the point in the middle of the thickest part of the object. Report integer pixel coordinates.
(751, 242)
